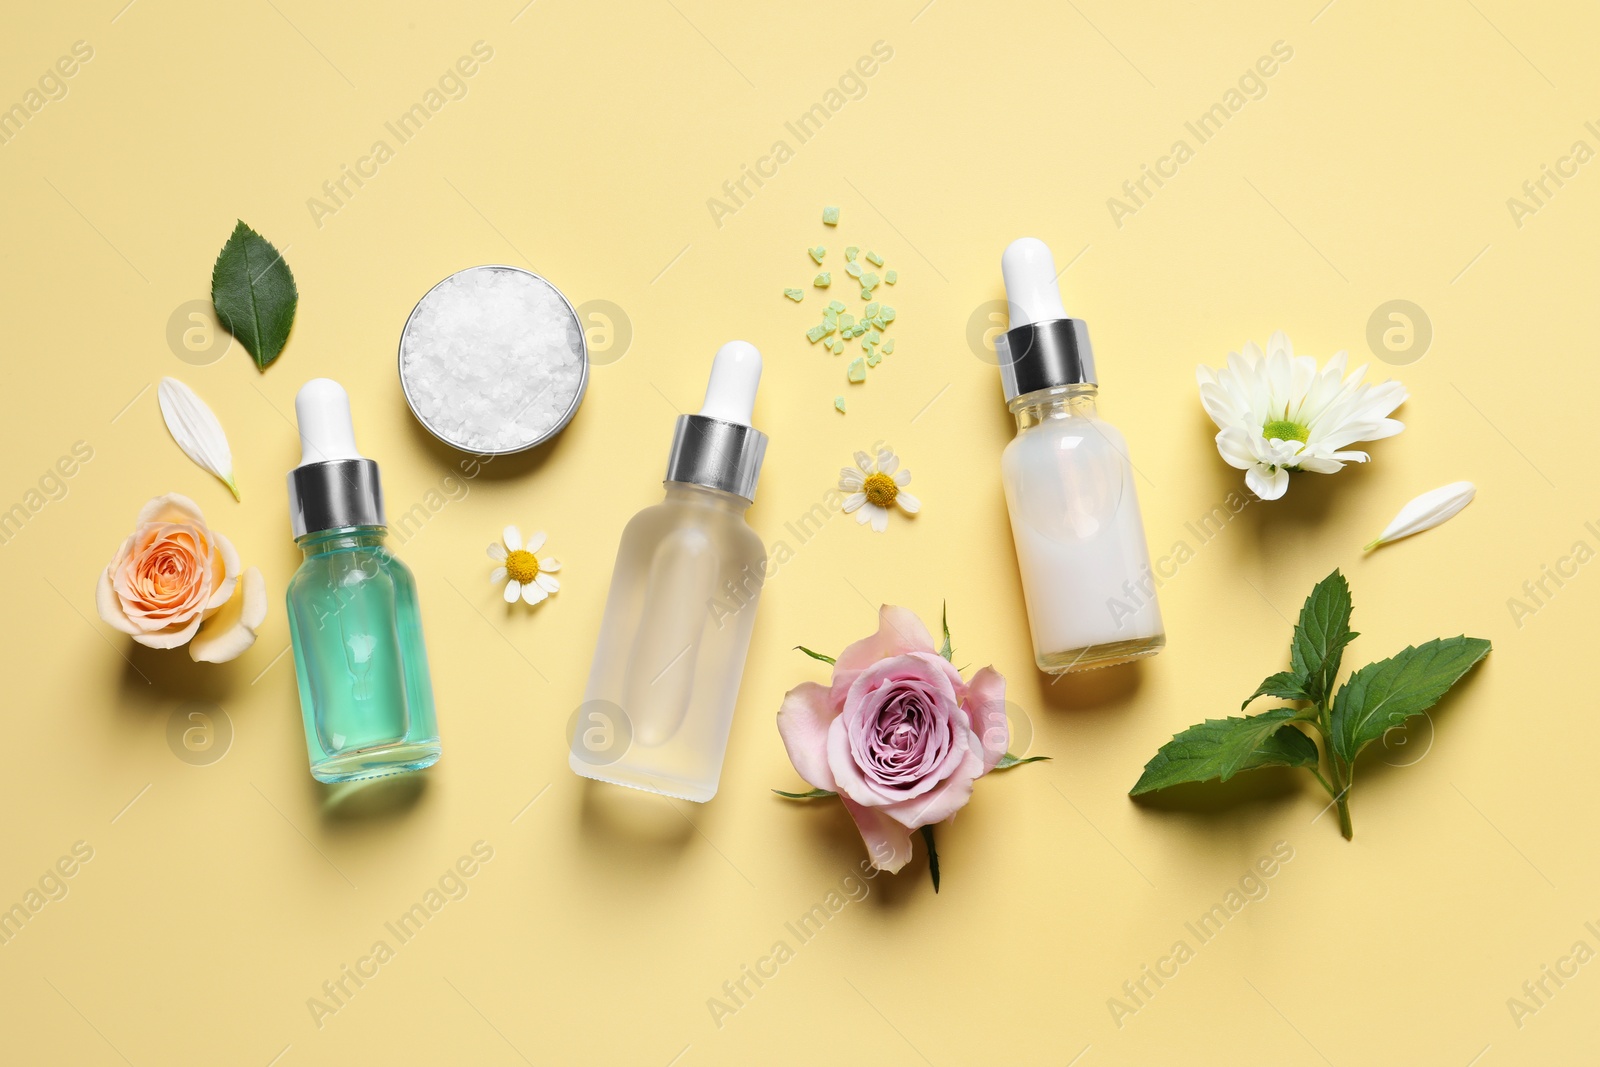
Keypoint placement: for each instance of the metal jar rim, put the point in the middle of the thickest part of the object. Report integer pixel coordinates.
(583, 373)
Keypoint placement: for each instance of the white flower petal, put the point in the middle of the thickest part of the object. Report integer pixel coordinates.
(549, 563)
(196, 429)
(908, 503)
(880, 518)
(864, 516)
(513, 590)
(547, 582)
(1267, 484)
(532, 594)
(888, 462)
(853, 501)
(864, 461)
(535, 541)
(903, 478)
(496, 550)
(1427, 511)
(512, 537)
(851, 479)
(497, 576)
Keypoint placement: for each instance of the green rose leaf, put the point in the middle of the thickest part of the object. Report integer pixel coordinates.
(1382, 695)
(944, 622)
(1320, 637)
(1008, 761)
(813, 794)
(254, 294)
(1221, 748)
(815, 655)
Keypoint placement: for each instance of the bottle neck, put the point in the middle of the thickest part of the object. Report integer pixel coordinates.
(702, 496)
(323, 542)
(1059, 402)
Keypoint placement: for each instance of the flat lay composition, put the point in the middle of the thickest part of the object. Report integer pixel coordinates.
(480, 574)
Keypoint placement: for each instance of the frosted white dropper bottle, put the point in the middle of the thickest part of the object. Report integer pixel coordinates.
(1069, 485)
(665, 677)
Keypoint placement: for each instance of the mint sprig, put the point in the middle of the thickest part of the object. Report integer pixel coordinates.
(1373, 700)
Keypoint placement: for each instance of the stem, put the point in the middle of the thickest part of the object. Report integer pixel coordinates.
(1338, 771)
(1343, 802)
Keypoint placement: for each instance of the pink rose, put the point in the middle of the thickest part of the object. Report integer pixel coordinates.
(174, 574)
(898, 735)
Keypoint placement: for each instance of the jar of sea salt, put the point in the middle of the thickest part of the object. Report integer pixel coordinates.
(493, 360)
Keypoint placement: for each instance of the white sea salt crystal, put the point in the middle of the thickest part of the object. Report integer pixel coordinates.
(492, 359)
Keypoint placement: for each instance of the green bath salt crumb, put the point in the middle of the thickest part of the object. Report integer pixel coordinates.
(866, 294)
(853, 269)
(858, 370)
(837, 347)
(869, 281)
(873, 359)
(846, 321)
(887, 312)
(851, 252)
(817, 253)
(872, 311)
(835, 307)
(888, 347)
(838, 401)
(794, 294)
(830, 217)
(892, 276)
(823, 280)
(818, 332)
(875, 259)
(874, 337)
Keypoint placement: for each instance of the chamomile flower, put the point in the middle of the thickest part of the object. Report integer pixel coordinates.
(526, 574)
(875, 486)
(1277, 413)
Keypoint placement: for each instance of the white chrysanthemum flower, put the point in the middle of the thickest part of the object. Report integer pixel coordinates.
(529, 576)
(875, 486)
(1278, 413)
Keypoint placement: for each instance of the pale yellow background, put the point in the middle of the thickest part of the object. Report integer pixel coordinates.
(1376, 167)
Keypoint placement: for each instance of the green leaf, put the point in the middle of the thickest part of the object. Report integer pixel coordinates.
(1221, 748)
(816, 655)
(1008, 761)
(1320, 637)
(933, 857)
(254, 294)
(1382, 695)
(944, 622)
(814, 794)
(1285, 685)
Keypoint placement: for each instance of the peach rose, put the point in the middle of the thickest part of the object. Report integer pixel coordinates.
(172, 581)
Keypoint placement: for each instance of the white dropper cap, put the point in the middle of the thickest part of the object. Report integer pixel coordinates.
(731, 392)
(322, 408)
(1030, 273)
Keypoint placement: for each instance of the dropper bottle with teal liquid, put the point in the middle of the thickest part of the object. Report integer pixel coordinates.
(354, 620)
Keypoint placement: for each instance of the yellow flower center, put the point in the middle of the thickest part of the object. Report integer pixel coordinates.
(522, 566)
(880, 489)
(1284, 430)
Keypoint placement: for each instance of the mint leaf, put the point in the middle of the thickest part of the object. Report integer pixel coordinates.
(816, 655)
(1221, 748)
(254, 294)
(946, 651)
(1382, 695)
(1285, 685)
(813, 794)
(1320, 637)
(1008, 761)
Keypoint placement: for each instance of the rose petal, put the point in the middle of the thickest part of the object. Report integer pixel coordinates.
(173, 507)
(939, 804)
(169, 638)
(986, 708)
(233, 628)
(229, 575)
(803, 721)
(106, 603)
(899, 632)
(888, 842)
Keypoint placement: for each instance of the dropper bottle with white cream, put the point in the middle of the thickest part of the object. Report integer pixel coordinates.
(666, 670)
(1069, 485)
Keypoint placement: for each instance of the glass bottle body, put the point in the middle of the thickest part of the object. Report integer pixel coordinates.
(1080, 542)
(665, 678)
(360, 662)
